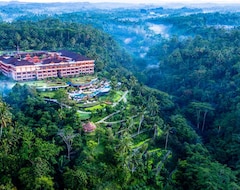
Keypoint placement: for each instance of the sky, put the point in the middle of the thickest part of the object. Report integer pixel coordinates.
(136, 1)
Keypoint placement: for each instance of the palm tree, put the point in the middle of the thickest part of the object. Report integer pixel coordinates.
(202, 107)
(161, 163)
(5, 116)
(142, 116)
(124, 149)
(156, 127)
(168, 129)
(132, 83)
(152, 105)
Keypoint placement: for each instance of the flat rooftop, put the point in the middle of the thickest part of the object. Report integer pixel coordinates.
(41, 57)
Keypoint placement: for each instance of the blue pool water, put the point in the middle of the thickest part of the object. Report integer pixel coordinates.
(80, 95)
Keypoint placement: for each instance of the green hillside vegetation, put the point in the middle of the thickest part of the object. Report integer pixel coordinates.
(202, 75)
(181, 135)
(52, 34)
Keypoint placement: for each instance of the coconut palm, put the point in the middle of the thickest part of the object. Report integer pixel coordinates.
(202, 107)
(168, 129)
(5, 116)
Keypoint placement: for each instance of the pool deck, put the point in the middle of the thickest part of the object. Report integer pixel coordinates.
(95, 89)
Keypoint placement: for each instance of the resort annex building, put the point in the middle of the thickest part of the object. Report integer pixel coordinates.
(41, 64)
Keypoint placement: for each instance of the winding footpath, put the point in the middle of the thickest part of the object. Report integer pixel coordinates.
(64, 105)
(123, 98)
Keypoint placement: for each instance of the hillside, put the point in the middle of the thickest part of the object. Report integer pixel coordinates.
(178, 128)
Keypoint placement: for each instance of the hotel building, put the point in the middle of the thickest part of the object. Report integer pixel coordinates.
(40, 65)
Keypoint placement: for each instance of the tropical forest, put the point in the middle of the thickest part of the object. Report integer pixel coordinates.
(170, 121)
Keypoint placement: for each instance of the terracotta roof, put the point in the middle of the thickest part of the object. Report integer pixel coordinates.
(89, 127)
(29, 60)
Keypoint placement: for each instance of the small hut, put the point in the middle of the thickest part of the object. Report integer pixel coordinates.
(89, 127)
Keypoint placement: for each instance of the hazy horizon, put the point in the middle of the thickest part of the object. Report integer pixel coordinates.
(134, 1)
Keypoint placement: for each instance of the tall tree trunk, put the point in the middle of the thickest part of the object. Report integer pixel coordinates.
(140, 123)
(162, 162)
(166, 142)
(69, 148)
(198, 118)
(1, 129)
(204, 120)
(219, 129)
(155, 131)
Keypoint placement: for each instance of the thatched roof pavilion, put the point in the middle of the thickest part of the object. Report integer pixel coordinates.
(89, 127)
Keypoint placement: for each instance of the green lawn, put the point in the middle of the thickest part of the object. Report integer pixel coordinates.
(82, 79)
(95, 108)
(81, 105)
(113, 96)
(49, 94)
(117, 96)
(43, 83)
(84, 116)
(58, 82)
